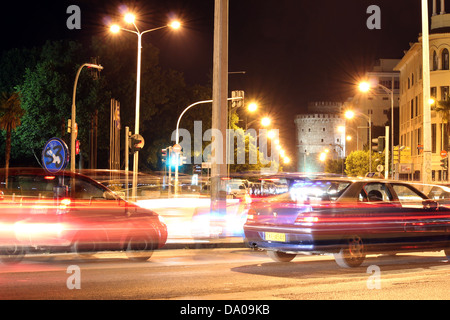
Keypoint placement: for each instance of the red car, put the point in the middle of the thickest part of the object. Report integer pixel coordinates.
(66, 211)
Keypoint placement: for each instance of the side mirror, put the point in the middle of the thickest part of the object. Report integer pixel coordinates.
(108, 195)
(430, 204)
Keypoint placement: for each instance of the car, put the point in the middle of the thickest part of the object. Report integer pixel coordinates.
(70, 212)
(348, 218)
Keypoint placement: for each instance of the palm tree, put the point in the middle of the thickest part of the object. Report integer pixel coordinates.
(443, 108)
(10, 114)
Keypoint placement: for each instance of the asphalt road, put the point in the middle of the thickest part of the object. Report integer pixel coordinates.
(225, 274)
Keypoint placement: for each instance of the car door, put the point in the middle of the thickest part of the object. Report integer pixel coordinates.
(382, 214)
(96, 215)
(423, 217)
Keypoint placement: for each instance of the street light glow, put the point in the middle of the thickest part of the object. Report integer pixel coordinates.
(323, 156)
(175, 24)
(364, 86)
(252, 107)
(129, 18)
(349, 114)
(271, 134)
(266, 121)
(114, 28)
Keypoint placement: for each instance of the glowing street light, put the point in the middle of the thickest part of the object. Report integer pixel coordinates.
(271, 134)
(349, 114)
(175, 24)
(129, 18)
(364, 86)
(114, 28)
(252, 107)
(265, 121)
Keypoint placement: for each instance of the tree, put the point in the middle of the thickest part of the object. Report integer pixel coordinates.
(357, 163)
(335, 166)
(443, 108)
(10, 114)
(46, 92)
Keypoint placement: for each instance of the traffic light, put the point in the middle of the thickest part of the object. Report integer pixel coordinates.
(173, 159)
(163, 155)
(136, 143)
(77, 147)
(182, 159)
(378, 144)
(238, 102)
(444, 163)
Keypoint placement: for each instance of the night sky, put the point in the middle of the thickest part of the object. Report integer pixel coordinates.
(292, 51)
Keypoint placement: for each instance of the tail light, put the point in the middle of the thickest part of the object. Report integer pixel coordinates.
(302, 218)
(251, 216)
(63, 206)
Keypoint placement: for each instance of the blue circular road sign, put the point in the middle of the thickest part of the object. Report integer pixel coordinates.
(55, 155)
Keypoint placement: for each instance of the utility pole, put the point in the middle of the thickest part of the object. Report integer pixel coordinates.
(219, 104)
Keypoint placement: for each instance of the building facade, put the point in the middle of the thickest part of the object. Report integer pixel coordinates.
(411, 99)
(319, 130)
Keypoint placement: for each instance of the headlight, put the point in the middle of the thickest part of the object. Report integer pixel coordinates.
(161, 219)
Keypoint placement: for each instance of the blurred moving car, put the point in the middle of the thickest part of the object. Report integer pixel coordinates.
(71, 212)
(349, 219)
(441, 194)
(121, 182)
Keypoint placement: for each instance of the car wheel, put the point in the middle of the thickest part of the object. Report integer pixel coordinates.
(139, 248)
(85, 249)
(352, 254)
(280, 256)
(12, 253)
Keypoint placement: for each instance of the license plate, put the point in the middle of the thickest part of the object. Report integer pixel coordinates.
(274, 236)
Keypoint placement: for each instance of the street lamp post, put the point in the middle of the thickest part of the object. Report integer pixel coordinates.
(351, 114)
(365, 87)
(129, 18)
(74, 112)
(177, 135)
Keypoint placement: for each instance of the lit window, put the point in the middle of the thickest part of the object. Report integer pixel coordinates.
(445, 60)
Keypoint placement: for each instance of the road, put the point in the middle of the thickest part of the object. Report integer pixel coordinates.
(224, 274)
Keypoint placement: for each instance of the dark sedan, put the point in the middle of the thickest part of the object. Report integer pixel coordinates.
(349, 219)
(70, 212)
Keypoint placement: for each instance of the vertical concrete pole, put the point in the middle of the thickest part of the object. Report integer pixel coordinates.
(220, 103)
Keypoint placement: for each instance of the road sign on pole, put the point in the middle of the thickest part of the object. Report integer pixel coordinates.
(55, 155)
(176, 148)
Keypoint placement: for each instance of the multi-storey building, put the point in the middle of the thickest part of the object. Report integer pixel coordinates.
(411, 98)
